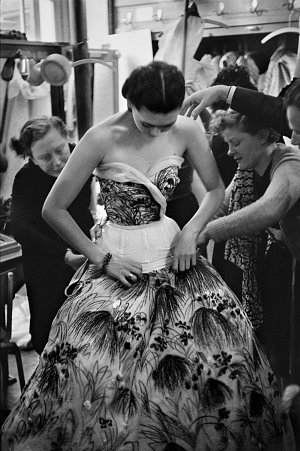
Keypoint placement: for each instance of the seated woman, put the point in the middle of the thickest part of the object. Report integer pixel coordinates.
(48, 261)
(151, 350)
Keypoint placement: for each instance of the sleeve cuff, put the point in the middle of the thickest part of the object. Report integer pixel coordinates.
(216, 230)
(230, 94)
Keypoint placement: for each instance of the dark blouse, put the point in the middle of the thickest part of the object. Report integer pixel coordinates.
(30, 189)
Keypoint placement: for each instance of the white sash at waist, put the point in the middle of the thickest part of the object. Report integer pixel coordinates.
(151, 245)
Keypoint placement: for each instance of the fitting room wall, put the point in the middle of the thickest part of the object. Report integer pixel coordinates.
(271, 14)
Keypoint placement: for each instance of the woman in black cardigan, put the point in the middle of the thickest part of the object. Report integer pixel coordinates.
(47, 260)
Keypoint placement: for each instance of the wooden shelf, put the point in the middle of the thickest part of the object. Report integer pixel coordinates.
(39, 50)
(31, 49)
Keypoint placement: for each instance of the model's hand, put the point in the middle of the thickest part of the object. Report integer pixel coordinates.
(123, 269)
(197, 102)
(74, 260)
(185, 252)
(96, 232)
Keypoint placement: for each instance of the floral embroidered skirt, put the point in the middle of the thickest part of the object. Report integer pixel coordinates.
(168, 364)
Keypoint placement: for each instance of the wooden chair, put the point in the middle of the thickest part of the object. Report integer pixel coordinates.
(6, 345)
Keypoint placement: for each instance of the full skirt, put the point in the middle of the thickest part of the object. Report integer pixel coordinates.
(169, 364)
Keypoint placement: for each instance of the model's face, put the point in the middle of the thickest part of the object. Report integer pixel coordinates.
(51, 153)
(293, 115)
(245, 149)
(153, 124)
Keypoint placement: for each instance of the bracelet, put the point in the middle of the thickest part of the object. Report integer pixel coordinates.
(106, 260)
(228, 93)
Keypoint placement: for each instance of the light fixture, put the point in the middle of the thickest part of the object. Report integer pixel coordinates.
(55, 69)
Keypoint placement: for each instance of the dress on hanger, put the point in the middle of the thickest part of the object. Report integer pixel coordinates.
(170, 363)
(280, 71)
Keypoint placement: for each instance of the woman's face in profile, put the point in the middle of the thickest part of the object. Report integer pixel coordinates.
(51, 153)
(244, 148)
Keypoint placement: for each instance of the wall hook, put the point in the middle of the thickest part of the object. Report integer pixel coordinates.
(220, 11)
(254, 8)
(158, 15)
(128, 19)
(289, 4)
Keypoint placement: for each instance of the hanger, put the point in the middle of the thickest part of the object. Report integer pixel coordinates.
(193, 11)
(282, 31)
(278, 32)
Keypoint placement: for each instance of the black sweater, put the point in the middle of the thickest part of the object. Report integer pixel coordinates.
(30, 189)
(263, 108)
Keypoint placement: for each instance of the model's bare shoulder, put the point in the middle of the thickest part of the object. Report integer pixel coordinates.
(187, 128)
(99, 133)
(185, 123)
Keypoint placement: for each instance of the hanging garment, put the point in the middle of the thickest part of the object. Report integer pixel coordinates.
(171, 46)
(280, 72)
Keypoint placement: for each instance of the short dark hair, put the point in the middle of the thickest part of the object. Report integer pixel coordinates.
(232, 75)
(231, 118)
(158, 86)
(292, 95)
(33, 130)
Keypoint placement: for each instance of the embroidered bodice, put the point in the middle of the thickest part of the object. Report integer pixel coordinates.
(132, 198)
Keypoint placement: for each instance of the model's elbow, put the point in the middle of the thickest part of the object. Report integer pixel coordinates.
(48, 211)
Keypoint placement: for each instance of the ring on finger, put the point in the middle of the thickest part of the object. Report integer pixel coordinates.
(131, 276)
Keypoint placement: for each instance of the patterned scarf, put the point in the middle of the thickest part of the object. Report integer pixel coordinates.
(245, 251)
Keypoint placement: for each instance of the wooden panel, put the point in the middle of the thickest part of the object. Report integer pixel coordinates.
(171, 11)
(271, 15)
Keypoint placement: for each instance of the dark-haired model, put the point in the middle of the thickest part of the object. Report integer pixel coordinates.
(152, 351)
